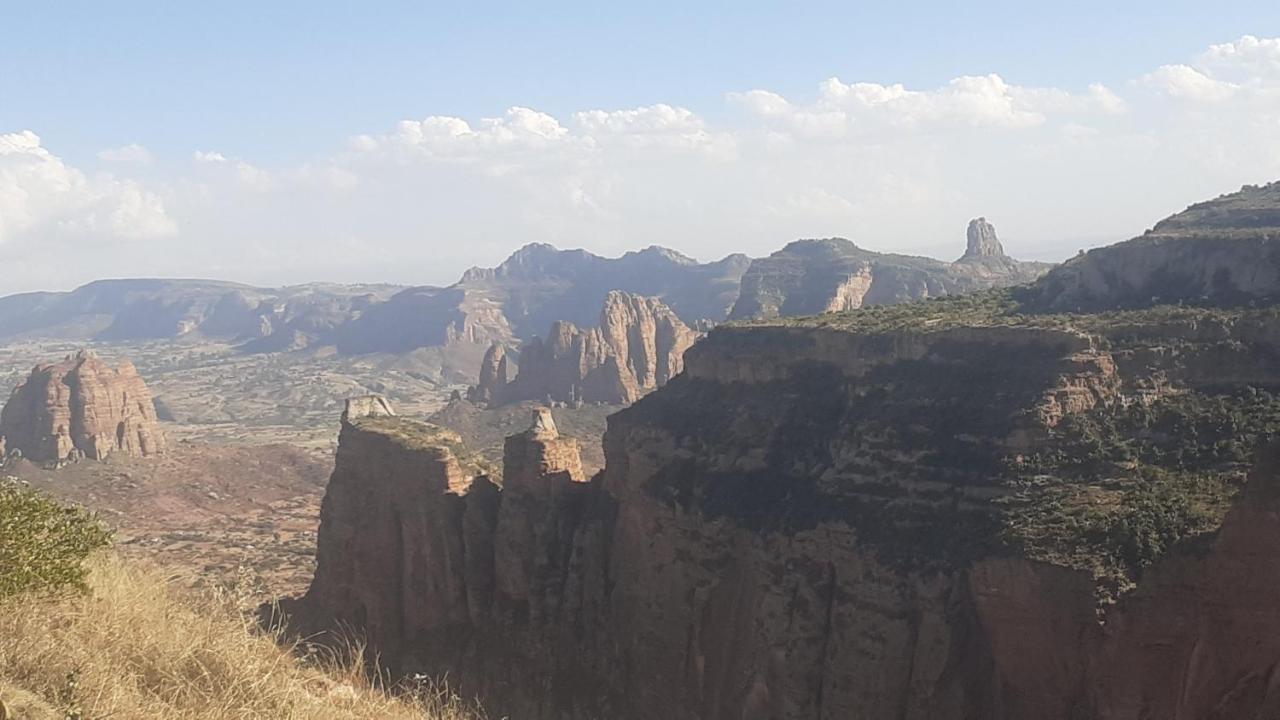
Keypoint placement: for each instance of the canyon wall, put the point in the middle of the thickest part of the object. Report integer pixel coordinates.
(811, 522)
(81, 407)
(638, 345)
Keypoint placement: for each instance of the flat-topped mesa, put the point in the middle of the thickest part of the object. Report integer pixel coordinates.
(637, 346)
(1221, 253)
(81, 407)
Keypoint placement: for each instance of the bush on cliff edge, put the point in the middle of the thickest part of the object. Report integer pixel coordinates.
(43, 544)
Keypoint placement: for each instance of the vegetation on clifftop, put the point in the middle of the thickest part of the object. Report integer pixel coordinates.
(1115, 488)
(1002, 308)
(417, 435)
(1109, 490)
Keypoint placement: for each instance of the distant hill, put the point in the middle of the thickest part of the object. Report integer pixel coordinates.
(809, 277)
(145, 309)
(1224, 251)
(537, 286)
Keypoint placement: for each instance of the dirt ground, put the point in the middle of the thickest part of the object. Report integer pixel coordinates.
(224, 514)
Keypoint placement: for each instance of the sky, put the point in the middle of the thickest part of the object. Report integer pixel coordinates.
(286, 142)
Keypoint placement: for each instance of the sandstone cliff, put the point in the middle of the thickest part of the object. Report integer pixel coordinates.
(81, 407)
(536, 286)
(808, 277)
(932, 511)
(638, 345)
(1220, 252)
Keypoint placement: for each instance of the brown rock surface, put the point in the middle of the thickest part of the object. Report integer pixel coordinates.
(81, 407)
(638, 346)
(493, 375)
(806, 524)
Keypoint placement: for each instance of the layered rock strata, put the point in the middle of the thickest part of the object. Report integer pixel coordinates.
(638, 345)
(812, 522)
(81, 407)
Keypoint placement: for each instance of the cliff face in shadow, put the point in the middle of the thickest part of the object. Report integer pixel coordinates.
(893, 517)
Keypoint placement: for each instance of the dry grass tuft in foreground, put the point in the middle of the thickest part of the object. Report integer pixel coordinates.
(137, 647)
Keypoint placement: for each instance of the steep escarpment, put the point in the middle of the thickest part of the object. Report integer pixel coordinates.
(80, 407)
(537, 286)
(262, 319)
(940, 510)
(446, 571)
(1220, 252)
(637, 345)
(831, 275)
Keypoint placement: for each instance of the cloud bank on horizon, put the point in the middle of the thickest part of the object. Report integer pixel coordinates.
(893, 168)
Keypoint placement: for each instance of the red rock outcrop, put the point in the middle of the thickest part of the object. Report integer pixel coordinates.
(81, 407)
(801, 525)
(493, 375)
(638, 346)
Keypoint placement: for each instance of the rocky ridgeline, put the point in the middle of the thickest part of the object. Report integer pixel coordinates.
(1222, 252)
(810, 277)
(507, 304)
(638, 345)
(80, 407)
(924, 519)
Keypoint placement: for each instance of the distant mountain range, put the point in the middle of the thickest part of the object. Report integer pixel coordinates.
(536, 286)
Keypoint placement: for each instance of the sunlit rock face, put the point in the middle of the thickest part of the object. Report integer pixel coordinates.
(637, 345)
(81, 407)
(1221, 252)
(807, 523)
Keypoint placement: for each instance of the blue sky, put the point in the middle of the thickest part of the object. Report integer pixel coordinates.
(284, 80)
(290, 141)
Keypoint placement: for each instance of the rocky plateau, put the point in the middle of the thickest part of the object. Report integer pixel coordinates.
(962, 508)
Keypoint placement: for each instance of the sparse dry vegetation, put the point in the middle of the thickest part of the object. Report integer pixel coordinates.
(136, 646)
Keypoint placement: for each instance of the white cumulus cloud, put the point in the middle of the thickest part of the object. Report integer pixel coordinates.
(43, 197)
(131, 154)
(892, 166)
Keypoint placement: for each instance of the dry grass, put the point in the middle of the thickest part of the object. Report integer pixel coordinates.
(139, 647)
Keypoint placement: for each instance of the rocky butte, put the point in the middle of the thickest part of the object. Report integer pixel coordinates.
(833, 274)
(948, 510)
(637, 346)
(81, 407)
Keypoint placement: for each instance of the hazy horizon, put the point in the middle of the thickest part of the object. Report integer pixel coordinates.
(312, 143)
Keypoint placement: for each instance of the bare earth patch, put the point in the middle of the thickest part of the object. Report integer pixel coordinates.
(206, 512)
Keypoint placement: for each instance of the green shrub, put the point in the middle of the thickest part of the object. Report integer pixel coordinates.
(43, 544)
